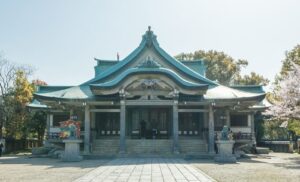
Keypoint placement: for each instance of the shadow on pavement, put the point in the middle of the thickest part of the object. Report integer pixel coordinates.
(52, 163)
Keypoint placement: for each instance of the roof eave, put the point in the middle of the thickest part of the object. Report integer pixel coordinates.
(257, 98)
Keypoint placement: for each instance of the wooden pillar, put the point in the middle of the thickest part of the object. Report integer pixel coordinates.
(252, 128)
(93, 126)
(227, 115)
(122, 126)
(71, 113)
(175, 127)
(50, 120)
(87, 129)
(48, 124)
(249, 120)
(211, 130)
(47, 127)
(205, 125)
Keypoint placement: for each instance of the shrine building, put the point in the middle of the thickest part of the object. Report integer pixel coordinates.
(150, 102)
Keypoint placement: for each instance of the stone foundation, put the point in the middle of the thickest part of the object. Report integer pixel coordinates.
(225, 148)
(72, 151)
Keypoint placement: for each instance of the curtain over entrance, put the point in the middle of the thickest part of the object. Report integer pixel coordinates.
(107, 124)
(148, 123)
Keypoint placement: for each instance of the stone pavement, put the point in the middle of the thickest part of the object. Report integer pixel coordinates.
(146, 169)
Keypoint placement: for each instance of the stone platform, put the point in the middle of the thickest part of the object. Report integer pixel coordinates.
(72, 151)
(225, 151)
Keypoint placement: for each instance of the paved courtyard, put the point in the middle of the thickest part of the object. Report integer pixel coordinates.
(280, 167)
(20, 168)
(146, 169)
(275, 167)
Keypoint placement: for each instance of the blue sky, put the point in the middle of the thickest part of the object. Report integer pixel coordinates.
(60, 38)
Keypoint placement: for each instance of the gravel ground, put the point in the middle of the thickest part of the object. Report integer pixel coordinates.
(22, 168)
(260, 168)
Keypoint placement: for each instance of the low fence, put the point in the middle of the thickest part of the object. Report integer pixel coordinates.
(242, 136)
(278, 146)
(56, 135)
(12, 145)
(237, 136)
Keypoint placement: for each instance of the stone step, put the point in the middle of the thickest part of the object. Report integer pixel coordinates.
(99, 151)
(149, 146)
(192, 141)
(262, 150)
(144, 146)
(106, 146)
(192, 146)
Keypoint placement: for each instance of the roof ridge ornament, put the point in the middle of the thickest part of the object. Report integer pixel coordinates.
(149, 63)
(149, 37)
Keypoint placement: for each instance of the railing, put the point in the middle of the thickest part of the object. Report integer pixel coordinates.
(12, 145)
(55, 135)
(278, 146)
(242, 136)
(237, 136)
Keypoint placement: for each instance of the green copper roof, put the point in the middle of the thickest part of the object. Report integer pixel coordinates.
(149, 40)
(47, 88)
(103, 65)
(196, 65)
(73, 93)
(35, 104)
(249, 88)
(112, 75)
(158, 70)
(262, 105)
(221, 92)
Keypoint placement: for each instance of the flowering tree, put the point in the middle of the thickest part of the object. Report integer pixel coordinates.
(287, 96)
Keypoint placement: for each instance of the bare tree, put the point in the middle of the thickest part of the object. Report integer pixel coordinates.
(8, 72)
(7, 76)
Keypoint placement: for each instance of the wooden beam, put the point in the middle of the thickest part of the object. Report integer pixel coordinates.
(192, 110)
(149, 103)
(103, 103)
(104, 110)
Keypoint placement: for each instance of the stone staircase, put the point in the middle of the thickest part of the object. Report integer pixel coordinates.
(110, 147)
(161, 146)
(192, 146)
(106, 146)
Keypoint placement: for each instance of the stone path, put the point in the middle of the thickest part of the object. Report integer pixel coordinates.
(146, 169)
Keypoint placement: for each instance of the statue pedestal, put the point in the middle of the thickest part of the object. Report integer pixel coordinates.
(225, 151)
(72, 150)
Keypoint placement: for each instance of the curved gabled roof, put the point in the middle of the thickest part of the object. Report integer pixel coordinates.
(35, 104)
(82, 92)
(167, 72)
(116, 73)
(221, 92)
(149, 40)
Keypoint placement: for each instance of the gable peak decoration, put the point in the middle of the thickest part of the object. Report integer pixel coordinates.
(149, 37)
(151, 84)
(149, 63)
